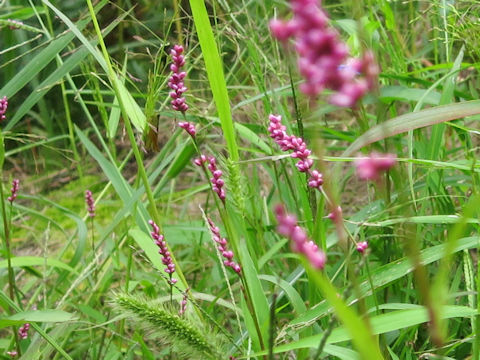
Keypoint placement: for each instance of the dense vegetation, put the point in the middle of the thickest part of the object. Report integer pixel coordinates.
(239, 179)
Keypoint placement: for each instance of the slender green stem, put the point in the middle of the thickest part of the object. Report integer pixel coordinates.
(11, 277)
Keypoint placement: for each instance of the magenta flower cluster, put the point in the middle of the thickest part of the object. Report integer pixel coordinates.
(371, 167)
(90, 203)
(163, 250)
(3, 108)
(297, 145)
(322, 57)
(176, 80)
(15, 24)
(362, 247)
(14, 190)
(23, 331)
(216, 181)
(183, 304)
(288, 227)
(188, 127)
(222, 247)
(12, 353)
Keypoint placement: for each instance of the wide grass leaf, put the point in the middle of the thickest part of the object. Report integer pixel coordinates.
(26, 261)
(48, 315)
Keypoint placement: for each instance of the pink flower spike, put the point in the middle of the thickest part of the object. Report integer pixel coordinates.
(371, 167)
(163, 250)
(362, 247)
(299, 148)
(90, 203)
(14, 190)
(183, 304)
(188, 127)
(176, 80)
(323, 58)
(23, 331)
(3, 108)
(216, 181)
(287, 226)
(222, 247)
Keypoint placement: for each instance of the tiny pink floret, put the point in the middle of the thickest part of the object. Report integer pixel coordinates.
(362, 247)
(288, 227)
(23, 331)
(371, 167)
(183, 303)
(188, 127)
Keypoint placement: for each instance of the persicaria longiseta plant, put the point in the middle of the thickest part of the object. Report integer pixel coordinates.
(308, 187)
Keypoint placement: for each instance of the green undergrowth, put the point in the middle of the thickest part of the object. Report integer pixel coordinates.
(89, 108)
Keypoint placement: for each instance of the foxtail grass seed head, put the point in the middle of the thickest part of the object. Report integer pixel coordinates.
(188, 127)
(23, 331)
(223, 248)
(176, 79)
(298, 146)
(14, 190)
(288, 227)
(362, 247)
(90, 203)
(323, 59)
(163, 250)
(3, 108)
(371, 167)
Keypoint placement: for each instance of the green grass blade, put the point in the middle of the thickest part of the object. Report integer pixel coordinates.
(413, 121)
(26, 261)
(42, 59)
(215, 73)
(382, 324)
